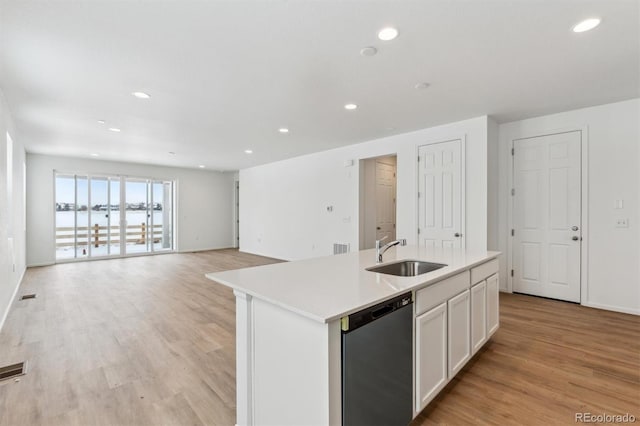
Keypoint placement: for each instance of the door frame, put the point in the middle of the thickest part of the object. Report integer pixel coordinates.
(463, 184)
(236, 213)
(584, 202)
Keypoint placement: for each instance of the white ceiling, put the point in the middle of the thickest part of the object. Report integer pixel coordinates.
(225, 75)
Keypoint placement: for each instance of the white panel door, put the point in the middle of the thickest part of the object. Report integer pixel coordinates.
(547, 216)
(440, 215)
(431, 354)
(459, 342)
(385, 201)
(478, 315)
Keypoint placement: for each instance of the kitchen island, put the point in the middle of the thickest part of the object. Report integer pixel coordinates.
(288, 326)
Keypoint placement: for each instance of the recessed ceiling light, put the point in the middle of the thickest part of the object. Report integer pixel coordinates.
(248, 151)
(283, 130)
(114, 129)
(387, 34)
(94, 155)
(350, 107)
(421, 85)
(201, 166)
(368, 51)
(101, 121)
(141, 95)
(586, 25)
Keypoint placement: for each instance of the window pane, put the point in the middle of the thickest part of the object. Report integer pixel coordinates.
(65, 216)
(82, 217)
(114, 211)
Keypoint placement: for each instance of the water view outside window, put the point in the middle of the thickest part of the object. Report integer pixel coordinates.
(112, 216)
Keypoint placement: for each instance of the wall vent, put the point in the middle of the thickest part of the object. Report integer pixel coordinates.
(13, 370)
(28, 296)
(340, 248)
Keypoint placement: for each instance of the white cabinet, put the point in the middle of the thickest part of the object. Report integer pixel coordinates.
(493, 307)
(453, 321)
(478, 316)
(431, 354)
(459, 321)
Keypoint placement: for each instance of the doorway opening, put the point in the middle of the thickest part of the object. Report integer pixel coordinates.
(378, 184)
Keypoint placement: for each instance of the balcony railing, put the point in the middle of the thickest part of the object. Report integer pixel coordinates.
(97, 235)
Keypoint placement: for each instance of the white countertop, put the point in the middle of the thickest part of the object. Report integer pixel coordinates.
(327, 288)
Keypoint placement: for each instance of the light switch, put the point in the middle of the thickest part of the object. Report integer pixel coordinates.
(622, 223)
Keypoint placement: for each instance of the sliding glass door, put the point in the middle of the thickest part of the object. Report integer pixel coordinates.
(66, 210)
(103, 236)
(99, 216)
(161, 196)
(137, 215)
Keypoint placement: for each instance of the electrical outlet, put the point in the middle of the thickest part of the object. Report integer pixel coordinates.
(622, 223)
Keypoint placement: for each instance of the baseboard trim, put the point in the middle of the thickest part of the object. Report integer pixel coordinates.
(205, 249)
(255, 253)
(612, 308)
(13, 298)
(37, 265)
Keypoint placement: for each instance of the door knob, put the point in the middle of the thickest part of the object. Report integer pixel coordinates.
(574, 238)
(457, 235)
(574, 228)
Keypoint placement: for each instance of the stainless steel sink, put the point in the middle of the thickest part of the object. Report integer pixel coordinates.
(406, 268)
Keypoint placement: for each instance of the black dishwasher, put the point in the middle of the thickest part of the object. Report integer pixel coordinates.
(377, 364)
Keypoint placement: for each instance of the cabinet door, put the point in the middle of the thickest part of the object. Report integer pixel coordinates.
(478, 315)
(493, 309)
(431, 354)
(458, 310)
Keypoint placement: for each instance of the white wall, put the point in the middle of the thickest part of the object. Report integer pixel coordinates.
(283, 205)
(12, 231)
(613, 138)
(204, 202)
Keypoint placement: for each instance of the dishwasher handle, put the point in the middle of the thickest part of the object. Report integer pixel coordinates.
(382, 311)
(372, 313)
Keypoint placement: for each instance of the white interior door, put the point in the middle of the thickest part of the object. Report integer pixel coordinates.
(385, 201)
(547, 216)
(440, 215)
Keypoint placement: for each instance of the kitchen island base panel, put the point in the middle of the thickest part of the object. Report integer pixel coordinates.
(288, 370)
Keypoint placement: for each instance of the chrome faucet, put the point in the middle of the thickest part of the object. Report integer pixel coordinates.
(381, 249)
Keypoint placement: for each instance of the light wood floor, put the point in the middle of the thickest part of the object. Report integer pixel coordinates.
(149, 340)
